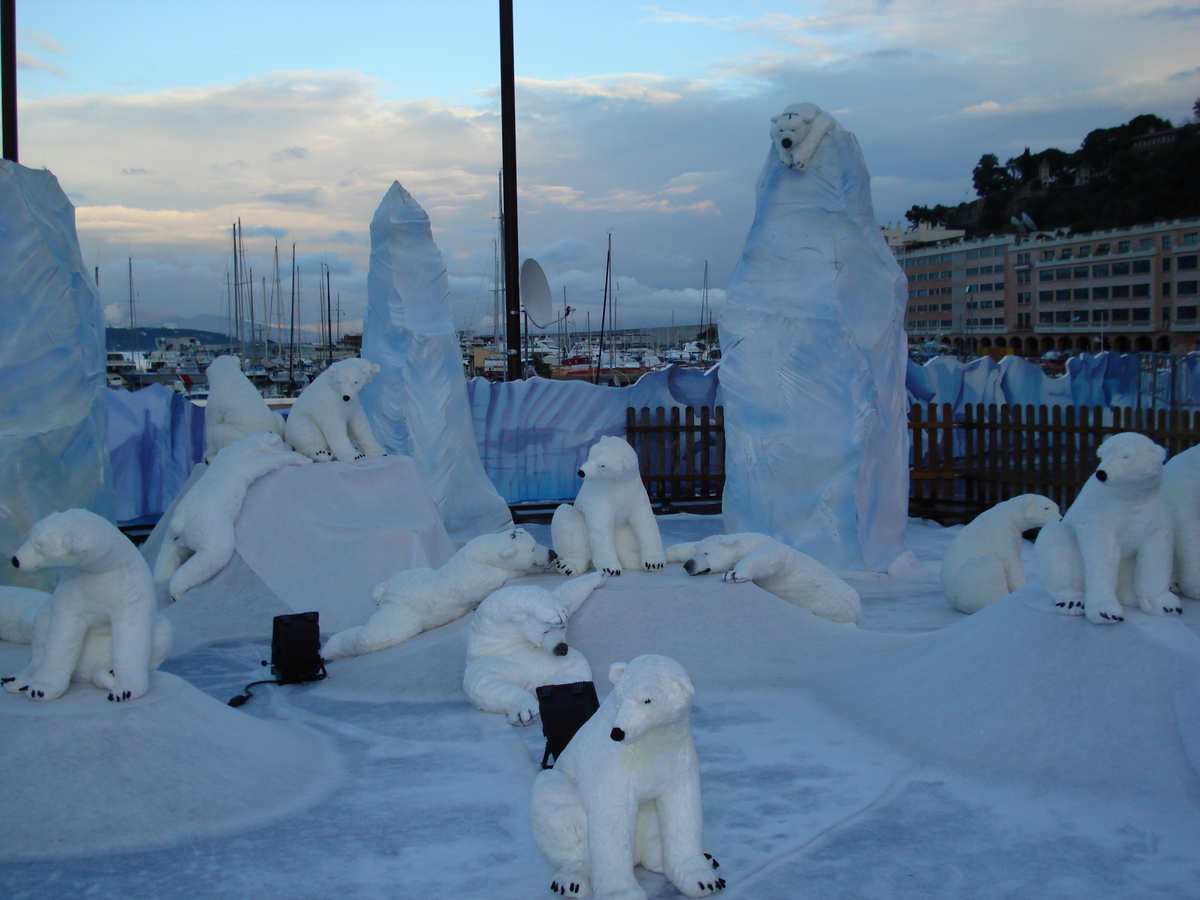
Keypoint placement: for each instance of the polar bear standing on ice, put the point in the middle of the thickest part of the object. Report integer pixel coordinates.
(626, 791)
(105, 583)
(1116, 542)
(983, 563)
(1181, 488)
(518, 642)
(776, 568)
(25, 616)
(417, 600)
(611, 524)
(201, 527)
(234, 409)
(327, 421)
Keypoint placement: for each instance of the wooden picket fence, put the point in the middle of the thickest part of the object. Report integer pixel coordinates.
(996, 452)
(681, 453)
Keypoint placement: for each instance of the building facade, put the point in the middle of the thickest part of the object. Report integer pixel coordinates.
(1127, 289)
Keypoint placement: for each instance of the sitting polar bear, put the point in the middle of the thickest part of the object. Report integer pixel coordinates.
(776, 568)
(634, 754)
(983, 563)
(611, 523)
(417, 600)
(1181, 488)
(518, 642)
(1115, 544)
(105, 583)
(25, 616)
(201, 527)
(235, 408)
(327, 421)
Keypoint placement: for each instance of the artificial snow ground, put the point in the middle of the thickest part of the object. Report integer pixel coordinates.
(1016, 753)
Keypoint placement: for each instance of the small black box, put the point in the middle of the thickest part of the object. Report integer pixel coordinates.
(296, 649)
(564, 708)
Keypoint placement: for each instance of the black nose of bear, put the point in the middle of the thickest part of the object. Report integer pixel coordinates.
(346, 397)
(553, 555)
(787, 142)
(689, 566)
(617, 734)
(16, 563)
(560, 650)
(1101, 475)
(580, 473)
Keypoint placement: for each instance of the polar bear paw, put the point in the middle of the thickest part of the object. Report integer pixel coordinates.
(40, 690)
(1104, 612)
(695, 876)
(522, 715)
(322, 456)
(571, 883)
(733, 576)
(569, 566)
(106, 680)
(653, 566)
(1069, 604)
(611, 570)
(1166, 604)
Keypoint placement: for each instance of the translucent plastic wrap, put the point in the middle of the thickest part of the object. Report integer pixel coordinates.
(53, 408)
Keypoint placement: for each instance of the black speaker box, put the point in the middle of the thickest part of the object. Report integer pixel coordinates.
(564, 708)
(296, 649)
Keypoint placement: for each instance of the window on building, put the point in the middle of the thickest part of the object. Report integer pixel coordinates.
(1102, 249)
(1166, 289)
(1063, 316)
(1066, 253)
(1191, 239)
(1063, 274)
(922, 293)
(1045, 296)
(1064, 294)
(972, 254)
(1022, 259)
(1045, 318)
(1023, 297)
(1166, 317)
(1139, 315)
(1120, 268)
(1120, 291)
(972, 304)
(985, 304)
(1085, 251)
(1185, 313)
(1079, 315)
(987, 251)
(1122, 246)
(972, 288)
(1099, 315)
(1047, 254)
(945, 307)
(999, 304)
(1185, 262)
(1080, 294)
(986, 270)
(1120, 315)
(1145, 243)
(1023, 277)
(1140, 267)
(1100, 293)
(1141, 290)
(1185, 288)
(1100, 271)
(911, 294)
(1046, 275)
(1166, 265)
(973, 271)
(947, 323)
(1081, 271)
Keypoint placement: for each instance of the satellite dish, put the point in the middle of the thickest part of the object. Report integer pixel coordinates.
(535, 294)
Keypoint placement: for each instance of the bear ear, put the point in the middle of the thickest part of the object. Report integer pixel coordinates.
(509, 551)
(1160, 453)
(68, 541)
(615, 671)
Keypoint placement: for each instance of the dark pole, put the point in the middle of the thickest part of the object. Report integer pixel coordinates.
(8, 75)
(508, 140)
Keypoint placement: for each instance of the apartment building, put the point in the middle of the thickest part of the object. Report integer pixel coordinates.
(1127, 289)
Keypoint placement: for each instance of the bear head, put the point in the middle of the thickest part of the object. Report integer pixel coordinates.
(1130, 458)
(535, 612)
(350, 376)
(68, 538)
(649, 691)
(513, 548)
(223, 367)
(717, 553)
(609, 457)
(1036, 511)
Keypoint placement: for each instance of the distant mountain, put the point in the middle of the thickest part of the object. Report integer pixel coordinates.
(123, 339)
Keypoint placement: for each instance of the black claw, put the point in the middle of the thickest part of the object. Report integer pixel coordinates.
(7, 680)
(110, 696)
(25, 688)
(128, 694)
(1060, 603)
(39, 693)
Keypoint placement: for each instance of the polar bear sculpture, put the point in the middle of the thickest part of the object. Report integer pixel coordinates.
(518, 642)
(327, 422)
(611, 524)
(199, 538)
(1115, 544)
(1181, 488)
(25, 615)
(983, 563)
(234, 409)
(797, 132)
(776, 568)
(626, 791)
(417, 600)
(105, 582)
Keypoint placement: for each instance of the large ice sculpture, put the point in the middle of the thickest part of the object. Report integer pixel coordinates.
(418, 403)
(53, 407)
(813, 368)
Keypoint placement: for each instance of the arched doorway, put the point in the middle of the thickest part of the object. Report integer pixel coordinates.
(1031, 346)
(1083, 343)
(985, 343)
(1047, 344)
(1001, 342)
(1121, 344)
(1163, 344)
(1064, 343)
(1142, 344)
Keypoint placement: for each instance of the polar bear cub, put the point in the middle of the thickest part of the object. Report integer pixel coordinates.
(105, 583)
(200, 535)
(25, 616)
(776, 568)
(1115, 544)
(327, 421)
(983, 563)
(417, 600)
(611, 524)
(518, 642)
(235, 408)
(1181, 488)
(634, 754)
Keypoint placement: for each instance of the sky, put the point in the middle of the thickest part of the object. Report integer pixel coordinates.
(165, 122)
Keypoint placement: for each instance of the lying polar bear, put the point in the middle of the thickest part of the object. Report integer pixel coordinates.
(234, 408)
(626, 791)
(776, 568)
(518, 642)
(417, 600)
(1116, 543)
(327, 421)
(983, 563)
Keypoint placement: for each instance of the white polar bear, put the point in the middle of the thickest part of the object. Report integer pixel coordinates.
(105, 583)
(776, 568)
(798, 131)
(626, 791)
(201, 527)
(518, 642)
(983, 563)
(234, 408)
(611, 523)
(327, 421)
(25, 615)
(1115, 544)
(1181, 487)
(417, 600)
